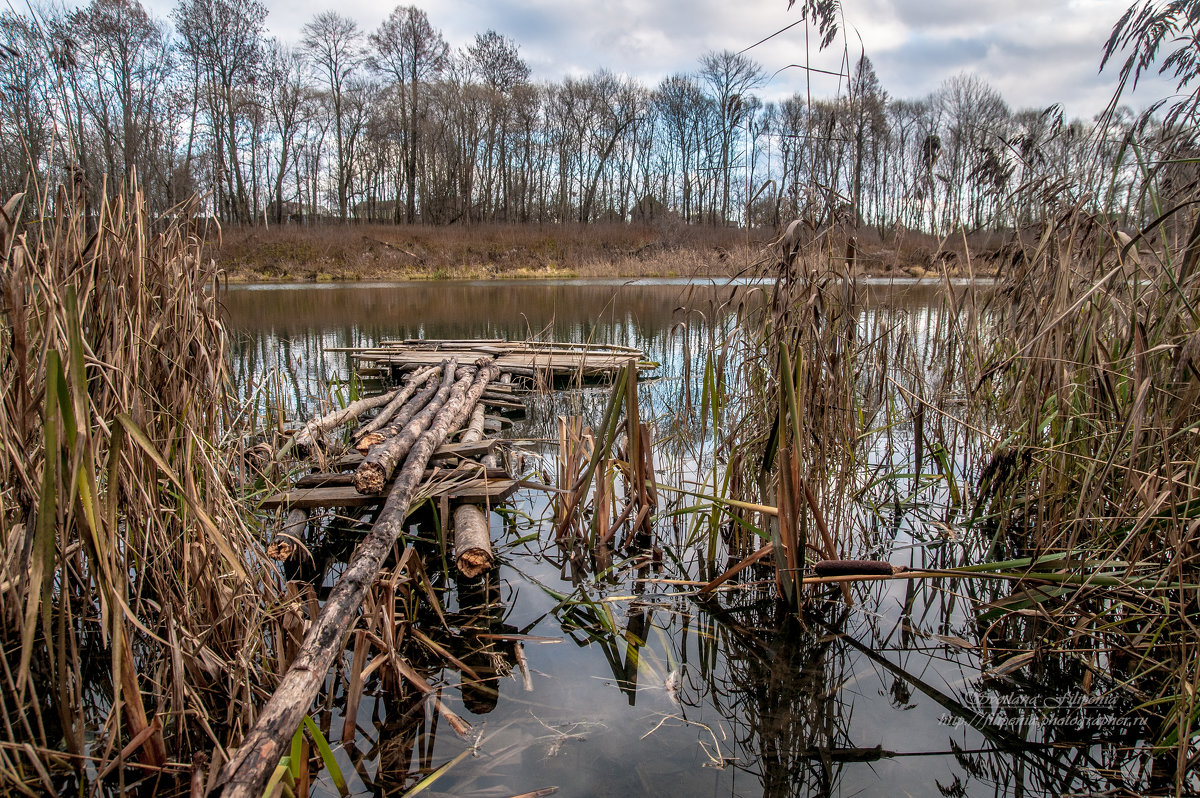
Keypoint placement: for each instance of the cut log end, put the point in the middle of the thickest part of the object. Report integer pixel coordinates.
(369, 479)
(473, 562)
(370, 439)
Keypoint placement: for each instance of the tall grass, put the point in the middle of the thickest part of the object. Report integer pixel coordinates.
(135, 599)
(1054, 414)
(1095, 385)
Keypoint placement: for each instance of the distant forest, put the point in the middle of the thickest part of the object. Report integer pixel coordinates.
(393, 125)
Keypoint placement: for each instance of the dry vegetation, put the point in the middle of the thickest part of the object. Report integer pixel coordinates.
(330, 252)
(413, 252)
(135, 626)
(1049, 424)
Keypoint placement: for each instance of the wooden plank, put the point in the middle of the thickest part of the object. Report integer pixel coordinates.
(473, 491)
(336, 496)
(326, 479)
(503, 401)
(479, 491)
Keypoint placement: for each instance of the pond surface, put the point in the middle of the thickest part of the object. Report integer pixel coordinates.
(638, 687)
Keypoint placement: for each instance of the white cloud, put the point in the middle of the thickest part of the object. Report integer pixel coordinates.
(1036, 52)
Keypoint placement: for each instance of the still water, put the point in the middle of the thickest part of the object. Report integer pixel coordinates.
(640, 687)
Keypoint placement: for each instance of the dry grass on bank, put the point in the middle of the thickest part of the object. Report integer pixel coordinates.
(356, 252)
(317, 253)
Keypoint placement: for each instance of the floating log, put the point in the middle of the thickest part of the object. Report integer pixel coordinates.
(377, 468)
(246, 775)
(402, 416)
(306, 437)
(472, 541)
(415, 381)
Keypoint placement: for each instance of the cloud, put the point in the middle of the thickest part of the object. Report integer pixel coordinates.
(1035, 52)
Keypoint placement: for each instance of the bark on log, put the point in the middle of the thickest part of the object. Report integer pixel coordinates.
(375, 471)
(472, 541)
(306, 437)
(402, 417)
(246, 775)
(389, 410)
(475, 433)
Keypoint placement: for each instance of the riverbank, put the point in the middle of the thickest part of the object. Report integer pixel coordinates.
(337, 253)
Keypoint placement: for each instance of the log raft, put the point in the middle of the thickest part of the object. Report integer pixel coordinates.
(429, 464)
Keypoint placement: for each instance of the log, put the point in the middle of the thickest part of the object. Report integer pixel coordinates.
(472, 541)
(415, 381)
(403, 416)
(306, 437)
(246, 775)
(475, 433)
(380, 463)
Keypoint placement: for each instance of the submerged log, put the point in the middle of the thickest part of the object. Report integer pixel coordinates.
(403, 415)
(246, 775)
(415, 381)
(380, 463)
(472, 541)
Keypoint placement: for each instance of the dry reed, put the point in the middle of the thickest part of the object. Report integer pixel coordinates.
(136, 606)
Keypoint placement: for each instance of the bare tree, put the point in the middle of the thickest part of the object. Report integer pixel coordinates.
(124, 63)
(222, 45)
(332, 43)
(409, 50)
(285, 101)
(729, 76)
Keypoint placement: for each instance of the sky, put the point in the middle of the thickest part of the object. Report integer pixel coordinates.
(1035, 52)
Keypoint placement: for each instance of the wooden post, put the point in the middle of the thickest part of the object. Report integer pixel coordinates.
(472, 541)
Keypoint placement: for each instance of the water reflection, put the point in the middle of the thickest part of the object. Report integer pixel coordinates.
(639, 687)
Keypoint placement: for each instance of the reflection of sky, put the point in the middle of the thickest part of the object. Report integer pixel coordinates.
(763, 698)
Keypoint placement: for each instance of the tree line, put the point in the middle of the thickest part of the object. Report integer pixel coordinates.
(395, 125)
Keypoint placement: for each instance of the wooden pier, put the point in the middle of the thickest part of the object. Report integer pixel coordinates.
(529, 360)
(430, 436)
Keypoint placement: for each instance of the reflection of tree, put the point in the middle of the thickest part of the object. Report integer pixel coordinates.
(778, 689)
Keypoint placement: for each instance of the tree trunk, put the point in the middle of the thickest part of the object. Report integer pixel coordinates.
(393, 408)
(314, 429)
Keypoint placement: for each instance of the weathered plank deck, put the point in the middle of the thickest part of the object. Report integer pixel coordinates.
(469, 491)
(530, 359)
